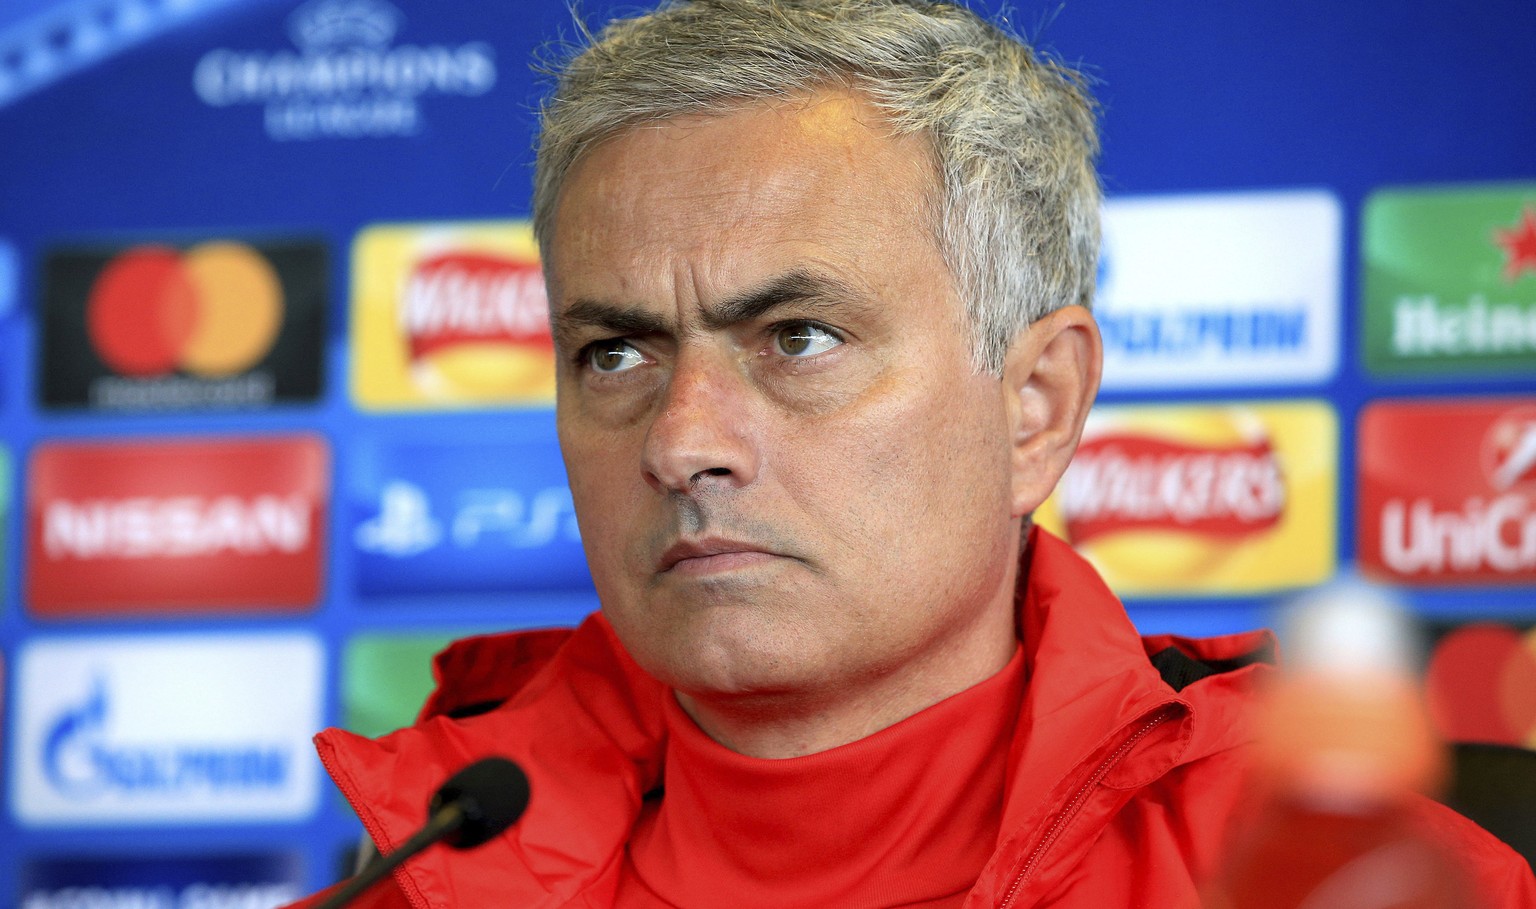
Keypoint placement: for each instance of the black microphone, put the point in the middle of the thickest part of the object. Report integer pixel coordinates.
(475, 805)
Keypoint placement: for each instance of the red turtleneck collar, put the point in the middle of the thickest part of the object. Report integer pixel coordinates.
(871, 823)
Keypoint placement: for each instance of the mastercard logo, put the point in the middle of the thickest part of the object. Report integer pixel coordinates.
(1481, 685)
(211, 311)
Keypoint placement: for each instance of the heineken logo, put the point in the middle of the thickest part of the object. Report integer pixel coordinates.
(1519, 244)
(1450, 281)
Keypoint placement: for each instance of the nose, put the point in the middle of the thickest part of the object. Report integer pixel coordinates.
(703, 431)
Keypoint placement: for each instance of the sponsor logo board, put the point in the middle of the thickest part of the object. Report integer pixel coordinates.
(159, 882)
(1450, 281)
(463, 518)
(168, 729)
(348, 74)
(1480, 683)
(1448, 491)
(1230, 289)
(450, 315)
(221, 323)
(179, 526)
(1218, 499)
(385, 679)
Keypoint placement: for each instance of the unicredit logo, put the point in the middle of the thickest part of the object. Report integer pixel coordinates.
(175, 526)
(212, 311)
(1471, 519)
(462, 297)
(1131, 482)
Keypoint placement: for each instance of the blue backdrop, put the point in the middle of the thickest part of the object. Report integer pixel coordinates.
(188, 131)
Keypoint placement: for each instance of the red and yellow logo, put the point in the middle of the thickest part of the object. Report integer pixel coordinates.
(211, 311)
(450, 316)
(1207, 500)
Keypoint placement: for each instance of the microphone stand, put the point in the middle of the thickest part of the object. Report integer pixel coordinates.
(442, 822)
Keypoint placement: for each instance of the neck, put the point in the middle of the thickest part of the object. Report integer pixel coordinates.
(796, 723)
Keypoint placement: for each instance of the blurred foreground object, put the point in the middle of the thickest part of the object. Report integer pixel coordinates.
(1347, 750)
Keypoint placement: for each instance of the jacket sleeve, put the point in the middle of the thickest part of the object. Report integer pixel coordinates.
(1502, 878)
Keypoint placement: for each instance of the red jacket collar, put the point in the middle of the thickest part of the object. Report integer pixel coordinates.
(587, 723)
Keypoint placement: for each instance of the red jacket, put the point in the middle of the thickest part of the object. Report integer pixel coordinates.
(1125, 774)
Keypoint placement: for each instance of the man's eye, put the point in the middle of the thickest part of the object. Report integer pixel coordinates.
(804, 339)
(613, 356)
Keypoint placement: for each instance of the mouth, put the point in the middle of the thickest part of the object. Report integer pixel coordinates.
(694, 557)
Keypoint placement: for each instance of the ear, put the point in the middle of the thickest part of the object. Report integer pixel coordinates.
(1051, 376)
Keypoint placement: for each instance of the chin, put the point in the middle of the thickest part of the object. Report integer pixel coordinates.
(713, 666)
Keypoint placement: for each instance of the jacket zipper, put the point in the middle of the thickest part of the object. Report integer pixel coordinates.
(1076, 803)
(409, 893)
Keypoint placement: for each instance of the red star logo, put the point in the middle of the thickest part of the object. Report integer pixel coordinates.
(1519, 242)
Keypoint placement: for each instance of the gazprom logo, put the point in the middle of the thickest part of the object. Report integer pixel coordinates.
(81, 763)
(171, 728)
(1228, 289)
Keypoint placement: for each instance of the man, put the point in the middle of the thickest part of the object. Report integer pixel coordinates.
(819, 279)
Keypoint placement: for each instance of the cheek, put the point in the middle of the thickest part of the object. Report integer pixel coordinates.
(596, 471)
(909, 468)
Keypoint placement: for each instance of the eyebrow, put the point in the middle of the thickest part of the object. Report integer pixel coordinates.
(797, 288)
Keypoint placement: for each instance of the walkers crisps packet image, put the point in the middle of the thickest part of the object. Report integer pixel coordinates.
(1217, 499)
(450, 316)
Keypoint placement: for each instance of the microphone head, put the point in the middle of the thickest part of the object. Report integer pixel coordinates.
(492, 793)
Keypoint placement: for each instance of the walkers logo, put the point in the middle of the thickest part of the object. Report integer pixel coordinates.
(1208, 500)
(143, 882)
(464, 518)
(349, 80)
(1232, 289)
(220, 324)
(1450, 281)
(183, 526)
(450, 315)
(167, 729)
(1448, 491)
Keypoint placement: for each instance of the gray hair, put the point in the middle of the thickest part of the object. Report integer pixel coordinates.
(1013, 133)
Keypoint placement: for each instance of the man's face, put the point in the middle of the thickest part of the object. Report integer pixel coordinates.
(789, 479)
